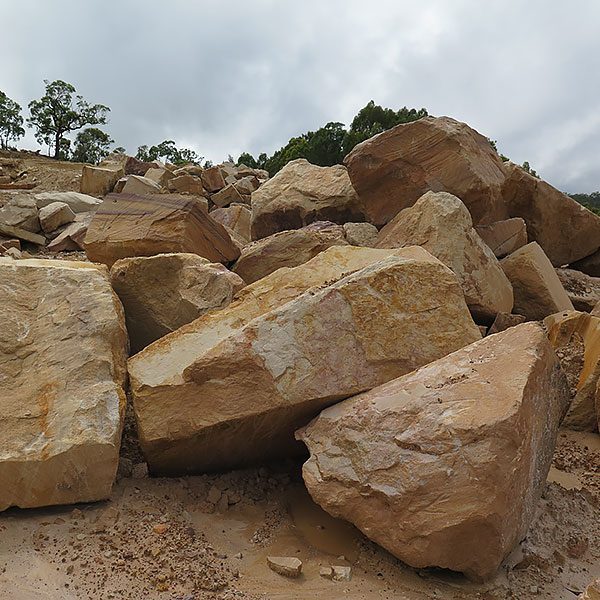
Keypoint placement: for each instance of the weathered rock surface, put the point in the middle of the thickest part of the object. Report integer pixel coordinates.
(444, 466)
(163, 292)
(237, 218)
(130, 225)
(393, 169)
(565, 230)
(228, 195)
(576, 338)
(137, 184)
(78, 203)
(187, 184)
(590, 265)
(583, 290)
(160, 175)
(54, 215)
(302, 193)
(100, 180)
(288, 566)
(361, 234)
(212, 179)
(505, 320)
(22, 234)
(73, 235)
(537, 289)
(20, 212)
(248, 375)
(591, 592)
(63, 346)
(286, 249)
(504, 237)
(441, 223)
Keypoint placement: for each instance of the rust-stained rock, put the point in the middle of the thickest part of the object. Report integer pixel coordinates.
(163, 292)
(444, 466)
(565, 230)
(63, 347)
(504, 237)
(302, 193)
(537, 289)
(230, 388)
(441, 223)
(576, 339)
(130, 225)
(393, 169)
(583, 290)
(286, 249)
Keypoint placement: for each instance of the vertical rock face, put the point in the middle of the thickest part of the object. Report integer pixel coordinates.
(302, 193)
(236, 218)
(565, 230)
(444, 466)
(63, 347)
(230, 388)
(164, 292)
(441, 223)
(129, 225)
(537, 289)
(576, 339)
(99, 181)
(390, 171)
(286, 249)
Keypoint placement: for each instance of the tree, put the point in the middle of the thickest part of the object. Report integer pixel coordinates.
(91, 145)
(168, 152)
(58, 112)
(11, 121)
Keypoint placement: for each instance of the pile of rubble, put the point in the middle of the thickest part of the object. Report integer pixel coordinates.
(422, 320)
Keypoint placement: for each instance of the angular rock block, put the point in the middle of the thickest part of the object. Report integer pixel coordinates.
(583, 290)
(63, 347)
(100, 180)
(130, 225)
(229, 389)
(444, 466)
(504, 237)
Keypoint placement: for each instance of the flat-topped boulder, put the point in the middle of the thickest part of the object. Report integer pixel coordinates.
(393, 169)
(229, 389)
(302, 193)
(63, 347)
(78, 203)
(445, 466)
(131, 225)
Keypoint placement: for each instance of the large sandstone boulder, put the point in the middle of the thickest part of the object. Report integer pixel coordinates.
(576, 339)
(565, 230)
(78, 203)
(590, 265)
(393, 169)
(537, 289)
(361, 234)
(130, 225)
(504, 237)
(229, 388)
(100, 180)
(163, 292)
(63, 346)
(137, 184)
(441, 223)
(237, 218)
(444, 466)
(54, 216)
(21, 212)
(286, 249)
(302, 193)
(583, 290)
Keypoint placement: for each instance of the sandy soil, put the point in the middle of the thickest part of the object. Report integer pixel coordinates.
(208, 537)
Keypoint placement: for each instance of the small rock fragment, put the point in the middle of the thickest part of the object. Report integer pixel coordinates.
(285, 565)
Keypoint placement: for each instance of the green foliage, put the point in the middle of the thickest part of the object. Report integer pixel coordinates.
(328, 145)
(590, 201)
(119, 150)
(167, 151)
(11, 121)
(529, 170)
(57, 112)
(91, 145)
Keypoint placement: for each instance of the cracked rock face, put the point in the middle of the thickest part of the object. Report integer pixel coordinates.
(63, 347)
(444, 466)
(230, 388)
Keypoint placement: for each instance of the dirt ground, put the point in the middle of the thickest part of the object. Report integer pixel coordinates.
(209, 536)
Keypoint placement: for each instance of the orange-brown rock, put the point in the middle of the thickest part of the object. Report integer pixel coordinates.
(583, 290)
(230, 388)
(441, 223)
(212, 179)
(301, 194)
(286, 249)
(186, 184)
(504, 237)
(100, 180)
(537, 289)
(565, 230)
(130, 225)
(505, 320)
(237, 218)
(393, 169)
(590, 265)
(576, 339)
(445, 466)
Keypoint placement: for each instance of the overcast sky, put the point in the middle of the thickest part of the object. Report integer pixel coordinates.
(225, 76)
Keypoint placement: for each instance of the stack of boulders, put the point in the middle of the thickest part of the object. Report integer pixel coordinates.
(419, 319)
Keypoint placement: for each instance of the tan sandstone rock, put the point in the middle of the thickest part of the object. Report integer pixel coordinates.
(302, 193)
(361, 234)
(130, 225)
(576, 338)
(78, 203)
(591, 592)
(54, 215)
(100, 180)
(393, 169)
(163, 292)
(583, 290)
(160, 175)
(565, 230)
(537, 289)
(444, 466)
(504, 237)
(505, 320)
(63, 346)
(286, 249)
(20, 212)
(186, 184)
(230, 388)
(212, 179)
(441, 223)
(237, 218)
(137, 184)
